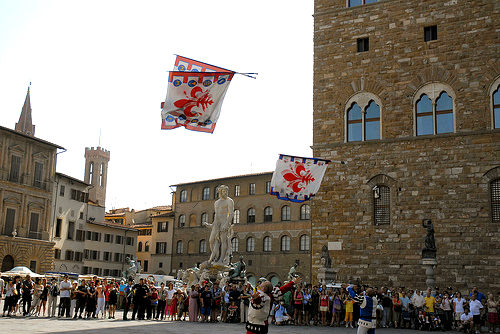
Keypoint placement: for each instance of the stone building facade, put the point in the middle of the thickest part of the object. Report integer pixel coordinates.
(27, 172)
(269, 233)
(407, 93)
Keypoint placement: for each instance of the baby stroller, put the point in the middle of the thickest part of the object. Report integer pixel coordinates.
(233, 313)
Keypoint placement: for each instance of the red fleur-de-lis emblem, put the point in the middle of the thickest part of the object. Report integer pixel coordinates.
(197, 98)
(298, 177)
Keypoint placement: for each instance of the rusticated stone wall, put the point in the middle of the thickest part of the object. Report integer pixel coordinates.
(443, 177)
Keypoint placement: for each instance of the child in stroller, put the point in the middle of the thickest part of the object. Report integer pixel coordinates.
(234, 313)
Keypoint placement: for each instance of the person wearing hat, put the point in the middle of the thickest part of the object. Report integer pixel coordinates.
(260, 305)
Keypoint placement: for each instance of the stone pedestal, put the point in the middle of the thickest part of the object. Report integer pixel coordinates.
(326, 275)
(429, 264)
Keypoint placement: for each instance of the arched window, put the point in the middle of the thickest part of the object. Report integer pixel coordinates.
(495, 200)
(285, 243)
(496, 106)
(285, 213)
(234, 244)
(363, 123)
(305, 212)
(268, 214)
(267, 244)
(146, 246)
(236, 217)
(206, 194)
(182, 221)
(180, 247)
(204, 218)
(184, 196)
(382, 205)
(304, 242)
(203, 246)
(251, 215)
(250, 244)
(434, 110)
(139, 246)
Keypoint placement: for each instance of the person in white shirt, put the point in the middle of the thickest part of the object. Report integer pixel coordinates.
(458, 305)
(475, 309)
(466, 321)
(64, 300)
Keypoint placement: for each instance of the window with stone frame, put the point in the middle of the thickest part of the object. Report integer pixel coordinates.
(38, 180)
(206, 194)
(251, 189)
(15, 168)
(381, 205)
(251, 215)
(285, 213)
(203, 246)
(268, 214)
(304, 242)
(184, 195)
(353, 3)
(285, 243)
(305, 212)
(434, 110)
(204, 218)
(267, 244)
(495, 100)
(236, 217)
(495, 200)
(237, 190)
(180, 247)
(250, 244)
(363, 119)
(234, 244)
(182, 221)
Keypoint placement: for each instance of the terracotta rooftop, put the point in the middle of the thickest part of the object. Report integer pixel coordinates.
(224, 178)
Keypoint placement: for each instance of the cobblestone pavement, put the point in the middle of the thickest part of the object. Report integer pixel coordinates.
(26, 325)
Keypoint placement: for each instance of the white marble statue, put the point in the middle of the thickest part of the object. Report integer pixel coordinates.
(220, 237)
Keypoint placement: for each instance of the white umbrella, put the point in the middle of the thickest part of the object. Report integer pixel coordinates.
(21, 271)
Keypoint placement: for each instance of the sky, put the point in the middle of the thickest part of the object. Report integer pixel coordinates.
(99, 71)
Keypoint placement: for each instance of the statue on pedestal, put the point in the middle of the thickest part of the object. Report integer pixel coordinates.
(220, 237)
(326, 260)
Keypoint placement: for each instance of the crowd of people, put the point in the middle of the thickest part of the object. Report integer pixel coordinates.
(304, 305)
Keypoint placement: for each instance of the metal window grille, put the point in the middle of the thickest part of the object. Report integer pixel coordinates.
(382, 205)
(495, 200)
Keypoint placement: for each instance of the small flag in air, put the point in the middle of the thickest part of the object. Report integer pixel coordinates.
(297, 179)
(194, 96)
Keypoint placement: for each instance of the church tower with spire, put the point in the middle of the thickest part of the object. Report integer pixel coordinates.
(25, 124)
(96, 173)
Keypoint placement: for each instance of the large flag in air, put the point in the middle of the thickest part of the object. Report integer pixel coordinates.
(297, 179)
(194, 96)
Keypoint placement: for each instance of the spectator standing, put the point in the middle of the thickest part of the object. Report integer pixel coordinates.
(72, 308)
(216, 303)
(52, 298)
(65, 288)
(112, 300)
(405, 304)
(121, 295)
(44, 296)
(447, 307)
(349, 309)
(397, 309)
(128, 294)
(475, 309)
(193, 304)
(162, 300)
(27, 288)
(206, 302)
(418, 302)
(387, 307)
(430, 302)
(81, 300)
(458, 306)
(492, 305)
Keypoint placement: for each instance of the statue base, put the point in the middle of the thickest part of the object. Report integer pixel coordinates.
(429, 265)
(326, 275)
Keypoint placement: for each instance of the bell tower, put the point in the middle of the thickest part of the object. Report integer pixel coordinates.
(96, 173)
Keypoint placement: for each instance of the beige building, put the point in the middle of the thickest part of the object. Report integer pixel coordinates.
(27, 172)
(407, 92)
(269, 233)
(154, 244)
